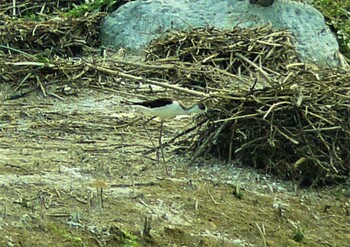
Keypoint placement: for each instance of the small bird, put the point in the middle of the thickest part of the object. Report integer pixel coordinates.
(166, 108)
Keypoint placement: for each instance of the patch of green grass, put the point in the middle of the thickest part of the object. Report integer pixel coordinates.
(61, 233)
(337, 14)
(95, 6)
(34, 17)
(127, 239)
(130, 240)
(298, 235)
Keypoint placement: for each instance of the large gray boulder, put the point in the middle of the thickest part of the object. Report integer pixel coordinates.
(136, 23)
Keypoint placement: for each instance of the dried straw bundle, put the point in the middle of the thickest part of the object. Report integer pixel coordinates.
(276, 113)
(298, 130)
(229, 50)
(267, 109)
(60, 36)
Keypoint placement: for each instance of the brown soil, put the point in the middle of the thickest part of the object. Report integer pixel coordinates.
(75, 173)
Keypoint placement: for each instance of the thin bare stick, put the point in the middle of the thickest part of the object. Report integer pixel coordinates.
(287, 137)
(139, 78)
(262, 72)
(33, 64)
(41, 86)
(143, 65)
(273, 106)
(261, 234)
(237, 117)
(161, 147)
(14, 7)
(150, 138)
(212, 198)
(16, 50)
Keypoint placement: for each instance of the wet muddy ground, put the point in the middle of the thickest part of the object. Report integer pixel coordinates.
(79, 172)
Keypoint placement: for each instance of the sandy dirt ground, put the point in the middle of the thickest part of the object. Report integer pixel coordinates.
(81, 172)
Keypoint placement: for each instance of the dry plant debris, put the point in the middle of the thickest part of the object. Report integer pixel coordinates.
(268, 110)
(53, 151)
(216, 59)
(230, 50)
(61, 36)
(290, 119)
(297, 130)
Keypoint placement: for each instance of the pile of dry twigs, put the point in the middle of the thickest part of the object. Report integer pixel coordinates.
(235, 51)
(62, 36)
(281, 115)
(267, 109)
(299, 130)
(216, 59)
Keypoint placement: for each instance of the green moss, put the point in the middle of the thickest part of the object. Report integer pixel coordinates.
(298, 235)
(95, 6)
(60, 232)
(130, 240)
(34, 17)
(337, 14)
(124, 237)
